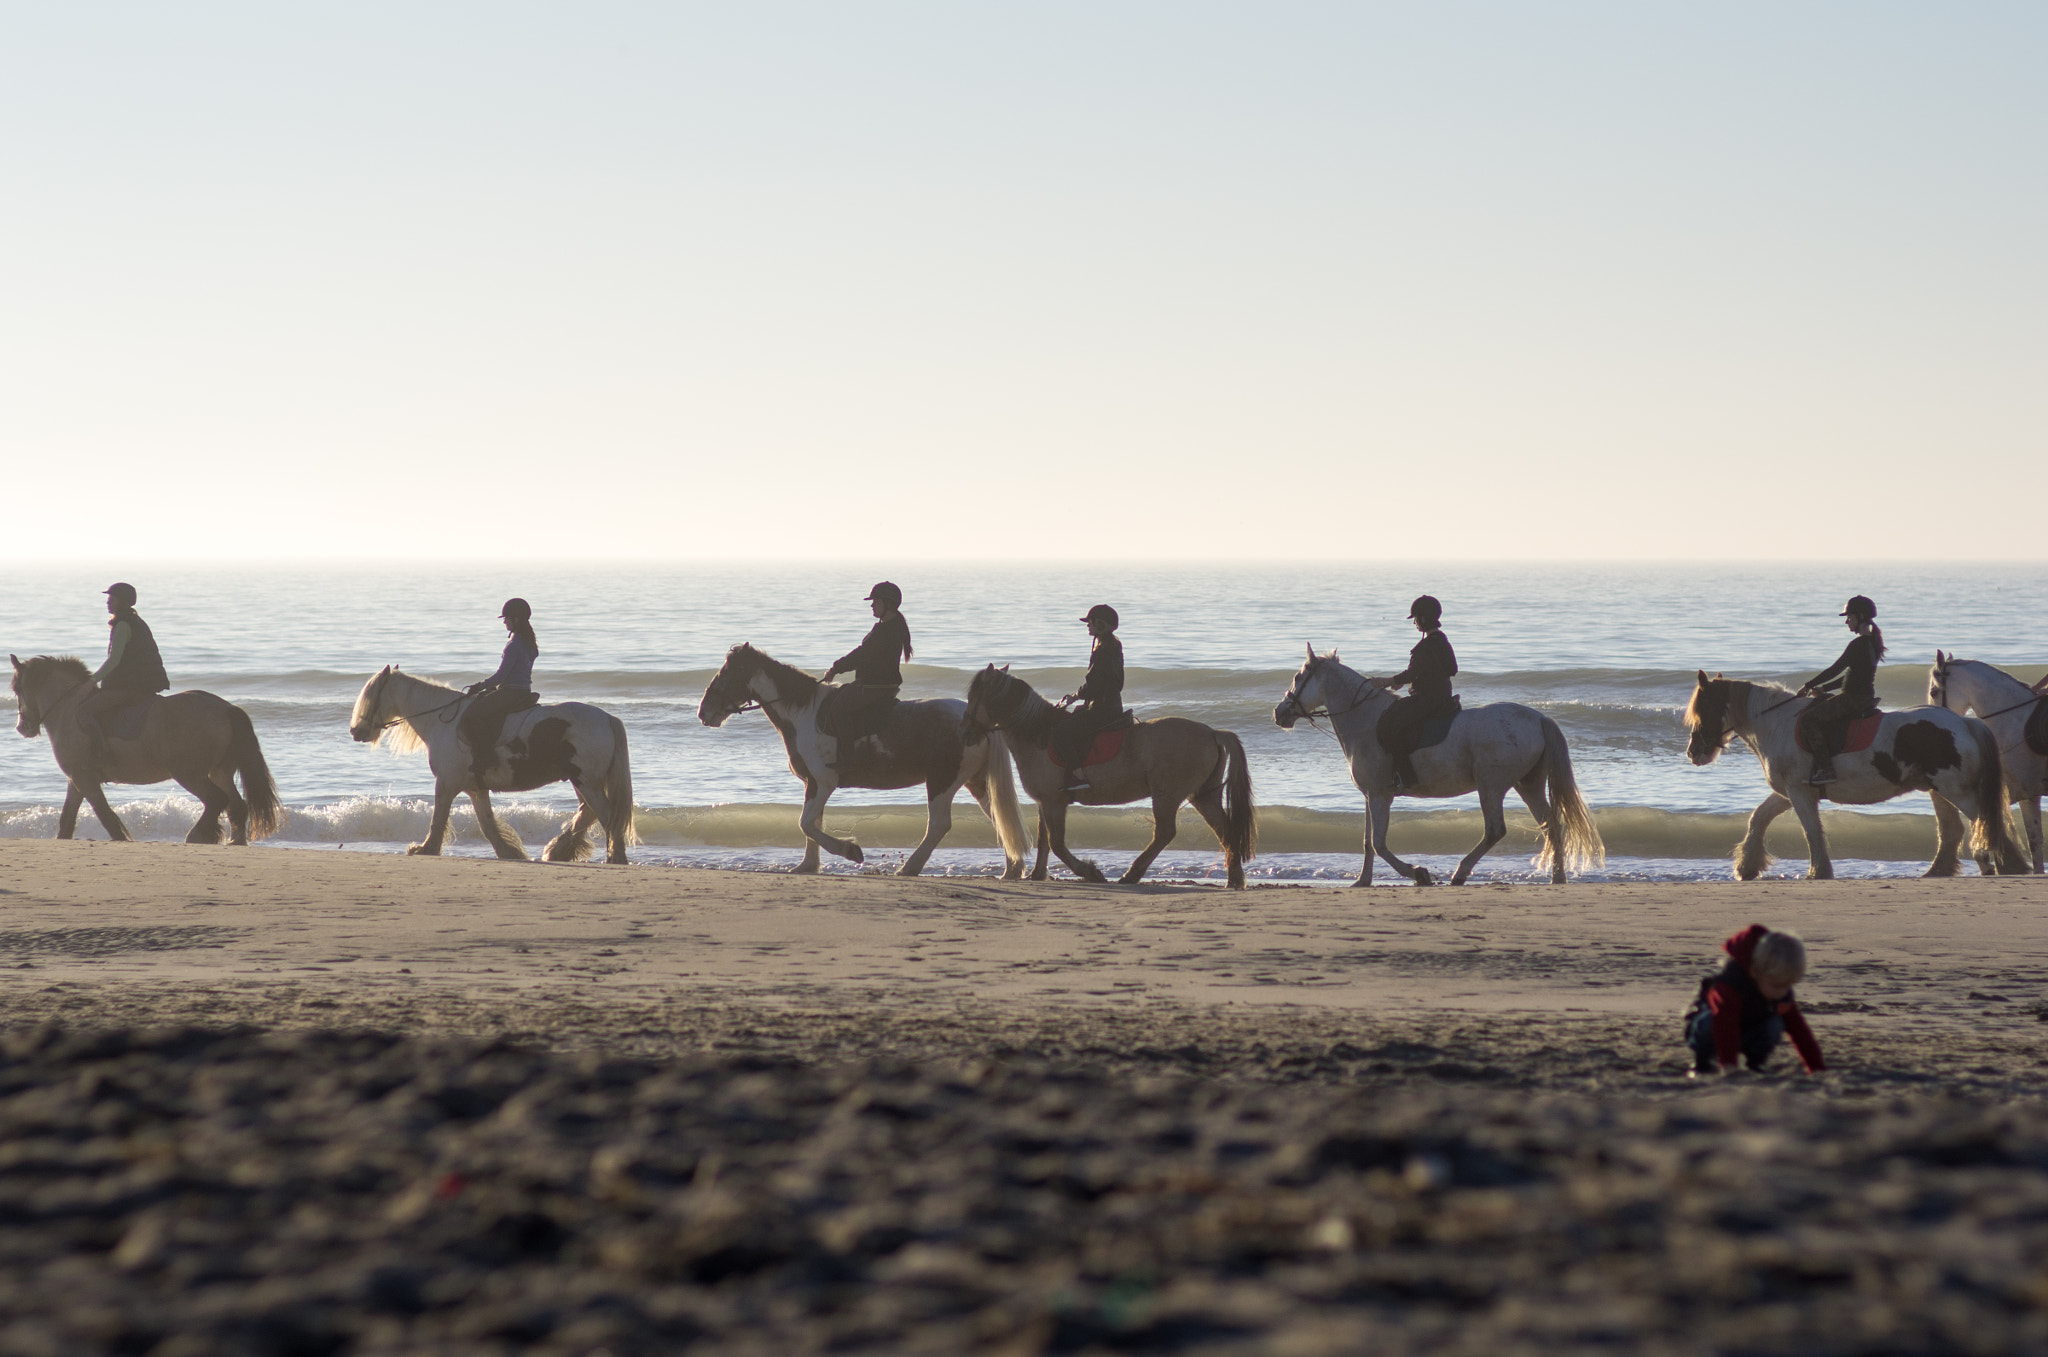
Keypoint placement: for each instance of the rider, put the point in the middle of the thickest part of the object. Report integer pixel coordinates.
(1101, 696)
(134, 667)
(1847, 688)
(1431, 665)
(876, 663)
(507, 691)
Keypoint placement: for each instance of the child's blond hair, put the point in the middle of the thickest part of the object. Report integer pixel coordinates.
(1779, 957)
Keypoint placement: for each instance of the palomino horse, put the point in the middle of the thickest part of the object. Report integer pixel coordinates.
(2003, 703)
(921, 744)
(1489, 749)
(1921, 749)
(200, 740)
(1170, 760)
(571, 742)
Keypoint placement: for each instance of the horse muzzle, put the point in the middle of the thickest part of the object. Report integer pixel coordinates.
(1286, 714)
(362, 734)
(28, 729)
(1701, 752)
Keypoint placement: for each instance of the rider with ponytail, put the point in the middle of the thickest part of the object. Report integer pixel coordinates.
(1847, 689)
(1432, 664)
(505, 692)
(860, 707)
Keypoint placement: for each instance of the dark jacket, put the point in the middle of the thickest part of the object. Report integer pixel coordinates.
(1104, 686)
(1858, 668)
(1430, 668)
(878, 660)
(1740, 1008)
(141, 669)
(515, 668)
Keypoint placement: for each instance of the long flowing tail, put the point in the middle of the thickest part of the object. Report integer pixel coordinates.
(1002, 800)
(245, 755)
(618, 784)
(1580, 836)
(1240, 816)
(1992, 833)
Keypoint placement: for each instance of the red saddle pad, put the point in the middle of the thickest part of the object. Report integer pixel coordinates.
(1106, 747)
(1862, 733)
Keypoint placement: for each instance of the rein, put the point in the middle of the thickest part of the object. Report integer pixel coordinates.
(414, 716)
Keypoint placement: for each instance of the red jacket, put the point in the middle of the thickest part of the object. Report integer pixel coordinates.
(1736, 1002)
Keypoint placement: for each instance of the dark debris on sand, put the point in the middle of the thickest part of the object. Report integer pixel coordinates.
(241, 1191)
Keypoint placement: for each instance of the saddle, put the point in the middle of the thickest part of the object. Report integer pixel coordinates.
(1433, 730)
(1106, 745)
(851, 713)
(126, 723)
(2037, 726)
(1857, 736)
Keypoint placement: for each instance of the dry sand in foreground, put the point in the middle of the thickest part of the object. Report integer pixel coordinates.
(280, 1102)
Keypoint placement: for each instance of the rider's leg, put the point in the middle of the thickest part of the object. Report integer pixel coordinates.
(90, 711)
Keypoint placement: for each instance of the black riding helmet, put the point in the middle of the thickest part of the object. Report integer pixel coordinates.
(1102, 610)
(886, 594)
(1426, 608)
(516, 610)
(1860, 606)
(120, 595)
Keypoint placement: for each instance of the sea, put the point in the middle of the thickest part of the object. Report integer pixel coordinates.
(1608, 650)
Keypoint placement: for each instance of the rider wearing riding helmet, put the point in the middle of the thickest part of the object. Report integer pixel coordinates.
(134, 668)
(505, 692)
(876, 663)
(1101, 695)
(1431, 666)
(1847, 688)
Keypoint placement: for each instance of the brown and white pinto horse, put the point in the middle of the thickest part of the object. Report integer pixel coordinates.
(2003, 703)
(1171, 760)
(920, 744)
(1953, 758)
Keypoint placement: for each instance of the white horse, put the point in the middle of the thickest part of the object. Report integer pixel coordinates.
(2003, 703)
(920, 745)
(1489, 749)
(1921, 749)
(571, 742)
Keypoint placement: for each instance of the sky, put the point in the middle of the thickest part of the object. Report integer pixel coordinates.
(1058, 281)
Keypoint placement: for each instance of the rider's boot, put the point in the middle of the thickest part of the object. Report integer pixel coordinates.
(1823, 771)
(1405, 775)
(97, 737)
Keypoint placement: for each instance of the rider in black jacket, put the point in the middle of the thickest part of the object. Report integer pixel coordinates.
(860, 707)
(1101, 696)
(134, 668)
(1847, 688)
(1431, 665)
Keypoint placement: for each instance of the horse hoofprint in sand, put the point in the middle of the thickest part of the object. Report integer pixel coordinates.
(1488, 750)
(200, 740)
(2005, 704)
(1952, 757)
(921, 744)
(571, 742)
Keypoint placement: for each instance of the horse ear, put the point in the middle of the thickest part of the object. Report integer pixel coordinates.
(1703, 678)
(16, 663)
(1311, 649)
(1006, 668)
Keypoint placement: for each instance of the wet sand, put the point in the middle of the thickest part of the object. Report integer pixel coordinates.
(267, 1101)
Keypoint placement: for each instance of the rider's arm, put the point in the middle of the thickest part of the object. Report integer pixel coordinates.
(850, 661)
(117, 646)
(1841, 665)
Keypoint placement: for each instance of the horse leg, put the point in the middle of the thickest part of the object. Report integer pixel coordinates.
(1949, 830)
(1039, 873)
(1806, 805)
(67, 818)
(1531, 790)
(1750, 857)
(206, 829)
(2030, 816)
(502, 842)
(938, 819)
(812, 822)
(437, 828)
(1165, 824)
(1382, 815)
(1496, 822)
(1052, 817)
(1209, 805)
(96, 797)
(573, 843)
(238, 808)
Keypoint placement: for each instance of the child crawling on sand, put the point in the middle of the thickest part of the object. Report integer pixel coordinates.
(1745, 1009)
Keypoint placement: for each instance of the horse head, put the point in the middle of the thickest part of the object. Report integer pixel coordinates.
(32, 682)
(30, 721)
(1305, 698)
(366, 721)
(1706, 716)
(984, 694)
(1937, 680)
(730, 691)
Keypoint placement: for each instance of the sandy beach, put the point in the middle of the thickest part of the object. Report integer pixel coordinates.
(278, 1101)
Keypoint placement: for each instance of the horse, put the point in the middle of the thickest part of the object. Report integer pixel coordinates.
(201, 741)
(1172, 760)
(571, 742)
(2003, 703)
(1952, 757)
(920, 744)
(1489, 749)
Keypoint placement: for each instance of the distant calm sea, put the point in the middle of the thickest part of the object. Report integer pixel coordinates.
(1609, 651)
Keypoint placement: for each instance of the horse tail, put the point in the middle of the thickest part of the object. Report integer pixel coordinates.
(1991, 834)
(618, 783)
(245, 756)
(1002, 800)
(1575, 827)
(1240, 816)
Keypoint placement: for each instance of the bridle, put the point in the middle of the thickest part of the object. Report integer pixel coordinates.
(1941, 679)
(384, 681)
(969, 727)
(1360, 695)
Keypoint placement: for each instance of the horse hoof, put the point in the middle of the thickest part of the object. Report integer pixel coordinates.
(1422, 877)
(1129, 879)
(803, 870)
(1040, 875)
(854, 855)
(419, 850)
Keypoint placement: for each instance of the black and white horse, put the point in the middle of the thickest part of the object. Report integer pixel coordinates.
(2003, 703)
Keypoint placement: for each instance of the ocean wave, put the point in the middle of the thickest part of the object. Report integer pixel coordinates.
(1629, 831)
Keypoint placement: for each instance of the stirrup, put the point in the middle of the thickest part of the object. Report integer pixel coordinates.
(1822, 775)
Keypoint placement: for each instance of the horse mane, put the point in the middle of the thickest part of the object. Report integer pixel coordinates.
(36, 669)
(1033, 725)
(1717, 690)
(805, 684)
(399, 737)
